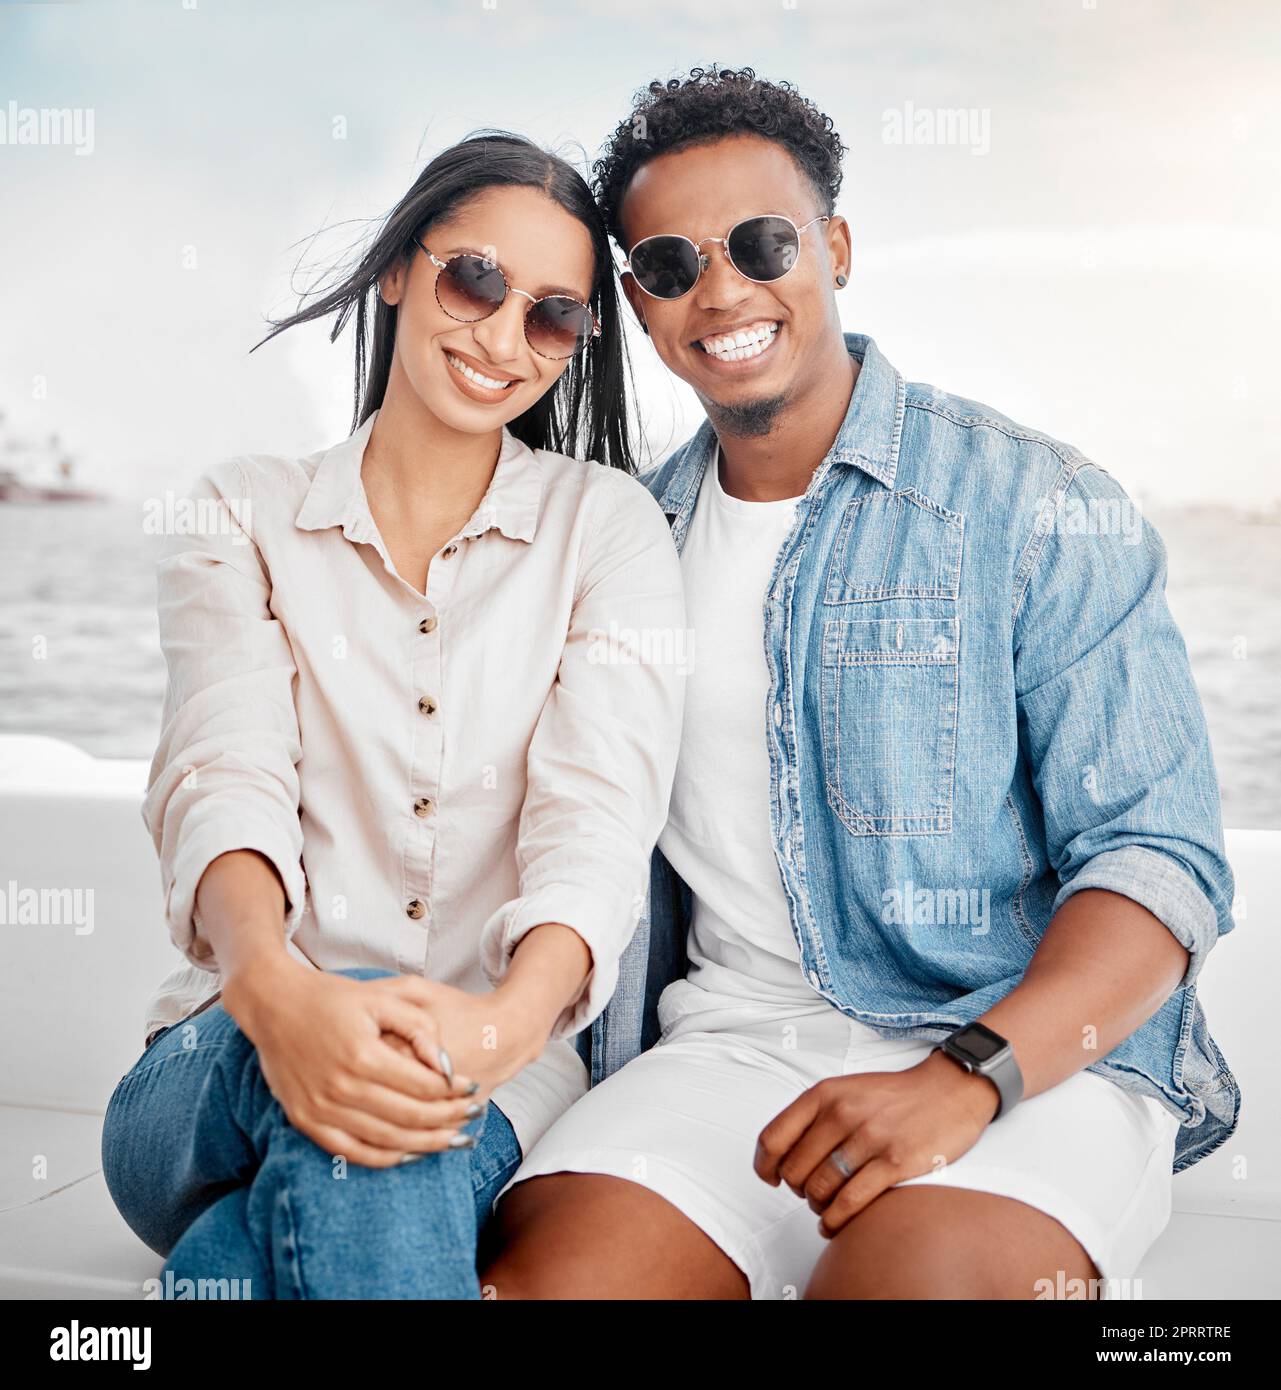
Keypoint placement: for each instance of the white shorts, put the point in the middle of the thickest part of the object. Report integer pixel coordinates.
(683, 1118)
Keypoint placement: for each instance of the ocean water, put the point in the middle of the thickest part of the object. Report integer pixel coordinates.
(80, 658)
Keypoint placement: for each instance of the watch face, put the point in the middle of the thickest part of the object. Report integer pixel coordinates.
(979, 1042)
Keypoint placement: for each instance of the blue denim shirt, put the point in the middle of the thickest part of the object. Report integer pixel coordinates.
(979, 704)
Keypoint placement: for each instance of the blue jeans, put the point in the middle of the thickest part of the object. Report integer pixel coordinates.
(205, 1167)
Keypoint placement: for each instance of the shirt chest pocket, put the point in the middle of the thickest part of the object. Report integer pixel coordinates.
(889, 707)
(895, 545)
(889, 685)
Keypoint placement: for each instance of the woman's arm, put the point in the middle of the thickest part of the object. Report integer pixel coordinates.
(242, 902)
(599, 775)
(319, 1037)
(546, 975)
(224, 776)
(493, 1036)
(222, 808)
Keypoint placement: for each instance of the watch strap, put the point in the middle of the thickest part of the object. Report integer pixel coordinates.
(1004, 1071)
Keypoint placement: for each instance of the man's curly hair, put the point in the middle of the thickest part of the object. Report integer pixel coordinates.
(709, 104)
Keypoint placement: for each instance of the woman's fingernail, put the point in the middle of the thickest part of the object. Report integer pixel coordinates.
(463, 1141)
(445, 1064)
(472, 1089)
(411, 1158)
(474, 1109)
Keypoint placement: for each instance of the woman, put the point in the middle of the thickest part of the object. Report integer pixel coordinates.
(396, 748)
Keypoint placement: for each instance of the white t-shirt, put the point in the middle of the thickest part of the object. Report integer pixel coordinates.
(717, 836)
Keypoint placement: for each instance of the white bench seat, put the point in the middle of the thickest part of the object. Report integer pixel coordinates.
(71, 1024)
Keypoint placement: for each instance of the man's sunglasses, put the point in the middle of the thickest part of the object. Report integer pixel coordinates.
(762, 249)
(470, 288)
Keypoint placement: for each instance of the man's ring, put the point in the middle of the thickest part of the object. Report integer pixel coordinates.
(838, 1161)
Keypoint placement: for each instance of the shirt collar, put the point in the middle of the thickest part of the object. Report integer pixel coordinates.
(869, 436)
(336, 496)
(872, 430)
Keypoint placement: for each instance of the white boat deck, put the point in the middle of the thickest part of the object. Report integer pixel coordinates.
(71, 1017)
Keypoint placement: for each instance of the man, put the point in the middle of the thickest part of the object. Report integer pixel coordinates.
(943, 765)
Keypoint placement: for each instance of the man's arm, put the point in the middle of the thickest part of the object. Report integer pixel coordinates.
(1111, 729)
(1103, 968)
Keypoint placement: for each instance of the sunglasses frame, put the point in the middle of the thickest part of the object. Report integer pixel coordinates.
(508, 288)
(705, 260)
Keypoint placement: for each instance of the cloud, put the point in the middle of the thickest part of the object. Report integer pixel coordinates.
(1061, 275)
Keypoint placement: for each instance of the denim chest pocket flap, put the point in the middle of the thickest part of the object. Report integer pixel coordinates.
(889, 691)
(896, 545)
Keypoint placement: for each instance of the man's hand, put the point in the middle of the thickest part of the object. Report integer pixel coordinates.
(888, 1126)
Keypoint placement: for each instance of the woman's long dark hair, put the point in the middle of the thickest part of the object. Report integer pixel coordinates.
(586, 413)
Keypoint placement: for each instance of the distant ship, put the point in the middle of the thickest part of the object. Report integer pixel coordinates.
(32, 472)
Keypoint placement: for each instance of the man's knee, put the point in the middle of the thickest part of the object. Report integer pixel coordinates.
(945, 1243)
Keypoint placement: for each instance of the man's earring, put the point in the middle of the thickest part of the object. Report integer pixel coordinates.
(645, 328)
(842, 281)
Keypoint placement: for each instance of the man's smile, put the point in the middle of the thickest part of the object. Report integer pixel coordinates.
(739, 346)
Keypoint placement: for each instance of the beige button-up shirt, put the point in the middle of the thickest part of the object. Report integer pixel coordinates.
(433, 774)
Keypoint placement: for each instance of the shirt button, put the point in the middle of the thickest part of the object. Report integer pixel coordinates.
(449, 550)
(778, 716)
(422, 807)
(427, 705)
(427, 625)
(814, 980)
(416, 909)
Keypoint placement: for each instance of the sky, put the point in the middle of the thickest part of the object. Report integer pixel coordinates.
(1087, 240)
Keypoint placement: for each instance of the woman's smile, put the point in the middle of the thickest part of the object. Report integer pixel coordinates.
(480, 382)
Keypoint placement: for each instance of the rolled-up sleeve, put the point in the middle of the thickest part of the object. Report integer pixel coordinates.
(603, 754)
(1111, 722)
(224, 775)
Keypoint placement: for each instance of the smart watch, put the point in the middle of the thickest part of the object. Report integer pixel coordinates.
(978, 1049)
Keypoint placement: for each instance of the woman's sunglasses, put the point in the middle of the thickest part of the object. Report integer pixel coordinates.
(762, 249)
(470, 288)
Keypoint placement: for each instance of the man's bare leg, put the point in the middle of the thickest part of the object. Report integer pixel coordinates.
(947, 1242)
(586, 1235)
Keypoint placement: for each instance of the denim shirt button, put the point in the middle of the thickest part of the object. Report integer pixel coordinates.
(814, 980)
(778, 716)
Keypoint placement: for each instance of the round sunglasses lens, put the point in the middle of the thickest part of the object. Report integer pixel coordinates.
(470, 288)
(558, 327)
(763, 248)
(665, 266)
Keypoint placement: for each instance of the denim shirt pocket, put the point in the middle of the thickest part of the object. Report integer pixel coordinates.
(889, 686)
(889, 693)
(896, 545)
